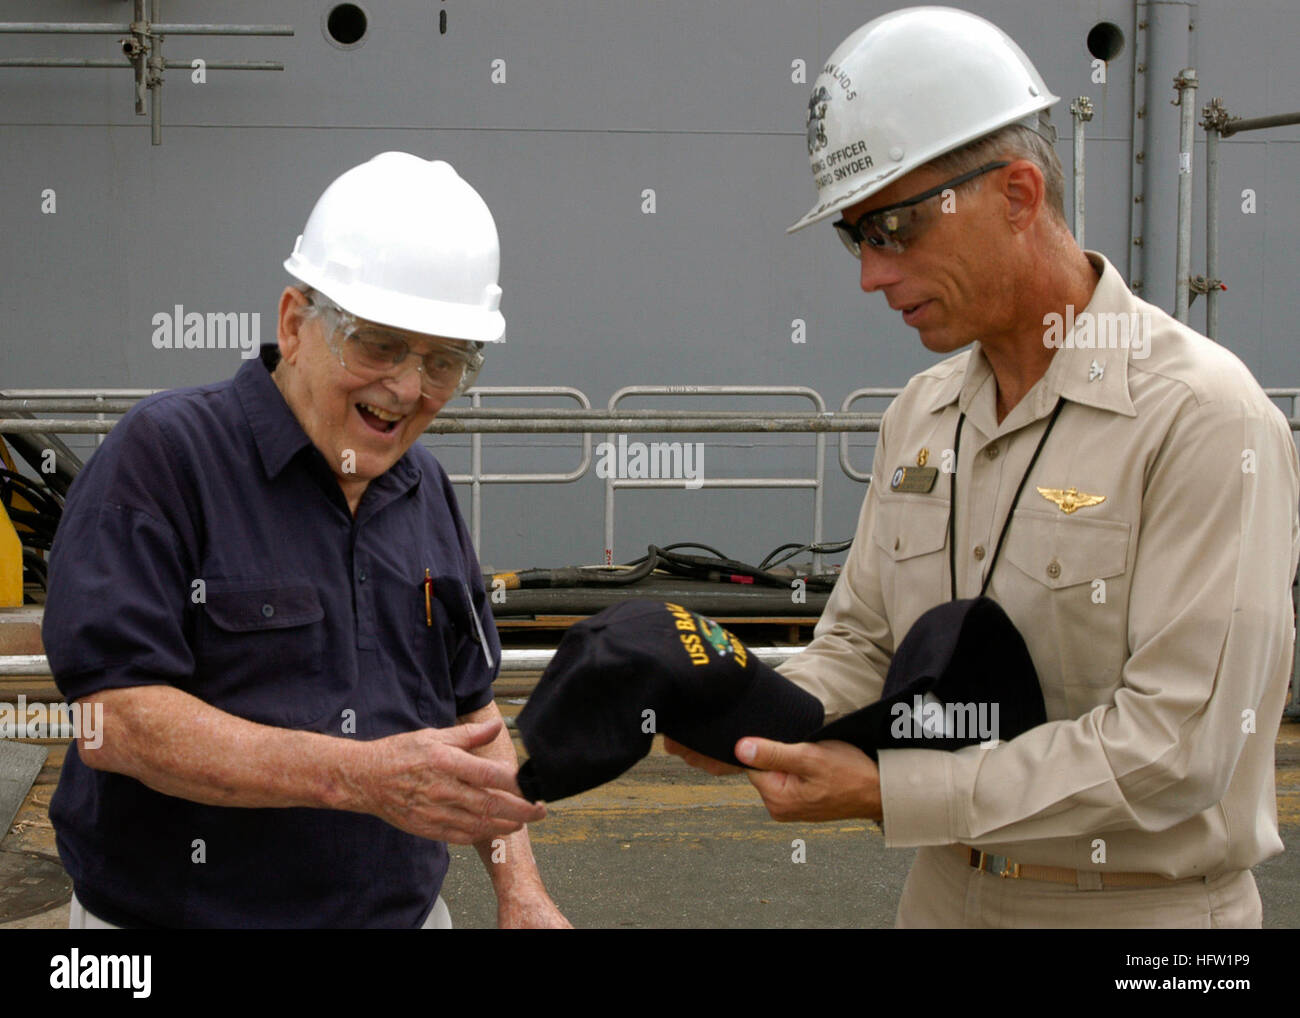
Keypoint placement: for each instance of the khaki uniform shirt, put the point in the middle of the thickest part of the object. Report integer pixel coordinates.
(1160, 620)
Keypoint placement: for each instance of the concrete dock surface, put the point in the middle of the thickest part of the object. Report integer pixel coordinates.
(667, 846)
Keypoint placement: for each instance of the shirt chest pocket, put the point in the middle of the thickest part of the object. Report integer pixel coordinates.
(1070, 576)
(259, 651)
(911, 538)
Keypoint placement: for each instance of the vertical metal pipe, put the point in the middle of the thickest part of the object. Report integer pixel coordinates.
(476, 484)
(155, 77)
(1185, 83)
(1212, 231)
(1216, 117)
(1137, 167)
(1081, 110)
(1169, 48)
(819, 500)
(609, 509)
(138, 54)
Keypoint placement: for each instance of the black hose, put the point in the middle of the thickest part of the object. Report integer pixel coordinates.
(716, 568)
(37, 567)
(31, 447)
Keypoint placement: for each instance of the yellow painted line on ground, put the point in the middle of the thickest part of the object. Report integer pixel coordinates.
(673, 831)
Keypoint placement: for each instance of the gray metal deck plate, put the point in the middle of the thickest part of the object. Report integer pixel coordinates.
(19, 765)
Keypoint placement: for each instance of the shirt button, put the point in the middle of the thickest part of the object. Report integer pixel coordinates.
(979, 551)
(362, 576)
(898, 541)
(268, 610)
(991, 452)
(1053, 569)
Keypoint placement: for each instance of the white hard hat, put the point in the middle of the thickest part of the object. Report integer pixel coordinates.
(404, 241)
(906, 88)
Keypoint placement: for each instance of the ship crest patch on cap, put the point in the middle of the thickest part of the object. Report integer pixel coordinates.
(700, 635)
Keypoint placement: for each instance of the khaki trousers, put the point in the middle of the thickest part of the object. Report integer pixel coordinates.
(942, 891)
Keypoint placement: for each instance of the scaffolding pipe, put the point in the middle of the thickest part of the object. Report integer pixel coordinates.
(1237, 125)
(1135, 260)
(212, 65)
(522, 660)
(1185, 86)
(61, 62)
(1081, 110)
(155, 64)
(143, 43)
(62, 28)
(97, 28)
(1215, 117)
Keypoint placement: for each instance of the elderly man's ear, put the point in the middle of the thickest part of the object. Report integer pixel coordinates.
(292, 305)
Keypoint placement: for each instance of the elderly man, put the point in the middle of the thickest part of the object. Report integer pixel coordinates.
(268, 585)
(1129, 498)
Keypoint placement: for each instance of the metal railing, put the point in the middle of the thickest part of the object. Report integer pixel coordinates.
(38, 665)
(582, 420)
(477, 420)
(857, 394)
(476, 478)
(816, 482)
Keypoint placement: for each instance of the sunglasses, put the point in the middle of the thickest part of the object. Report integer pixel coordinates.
(896, 226)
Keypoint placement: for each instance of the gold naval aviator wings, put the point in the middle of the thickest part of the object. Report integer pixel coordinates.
(1070, 499)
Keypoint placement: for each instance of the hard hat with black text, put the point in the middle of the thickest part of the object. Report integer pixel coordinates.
(906, 88)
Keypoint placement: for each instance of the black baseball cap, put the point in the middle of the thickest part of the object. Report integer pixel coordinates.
(962, 675)
(645, 667)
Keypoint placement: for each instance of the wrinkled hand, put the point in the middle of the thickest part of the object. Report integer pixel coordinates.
(812, 780)
(428, 783)
(704, 763)
(530, 910)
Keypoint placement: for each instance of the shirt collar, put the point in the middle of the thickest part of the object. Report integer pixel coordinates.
(1095, 374)
(276, 431)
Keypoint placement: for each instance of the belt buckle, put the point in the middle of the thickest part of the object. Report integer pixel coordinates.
(998, 864)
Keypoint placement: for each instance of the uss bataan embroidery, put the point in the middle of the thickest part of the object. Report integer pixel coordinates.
(916, 479)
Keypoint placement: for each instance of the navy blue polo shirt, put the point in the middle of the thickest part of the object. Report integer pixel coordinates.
(207, 545)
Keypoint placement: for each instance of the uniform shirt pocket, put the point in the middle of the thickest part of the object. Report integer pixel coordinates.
(911, 535)
(259, 650)
(1071, 583)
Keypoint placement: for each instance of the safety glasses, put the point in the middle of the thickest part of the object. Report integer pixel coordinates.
(896, 226)
(372, 352)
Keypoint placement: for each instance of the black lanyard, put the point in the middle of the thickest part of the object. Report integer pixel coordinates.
(1006, 525)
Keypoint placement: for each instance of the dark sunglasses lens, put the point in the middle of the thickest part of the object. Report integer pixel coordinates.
(848, 236)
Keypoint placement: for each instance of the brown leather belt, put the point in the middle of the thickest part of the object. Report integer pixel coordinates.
(1001, 866)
